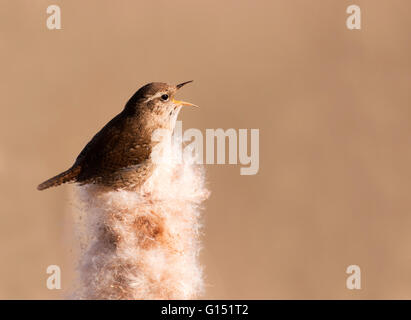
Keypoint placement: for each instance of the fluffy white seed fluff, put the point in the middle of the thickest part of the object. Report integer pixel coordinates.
(143, 244)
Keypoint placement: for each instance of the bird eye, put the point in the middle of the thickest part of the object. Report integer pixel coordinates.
(164, 97)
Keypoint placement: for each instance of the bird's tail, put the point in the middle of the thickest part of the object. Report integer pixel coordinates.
(66, 176)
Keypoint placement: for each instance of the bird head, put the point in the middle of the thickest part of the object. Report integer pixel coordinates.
(156, 102)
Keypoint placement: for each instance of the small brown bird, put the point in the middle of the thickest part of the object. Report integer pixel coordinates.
(119, 155)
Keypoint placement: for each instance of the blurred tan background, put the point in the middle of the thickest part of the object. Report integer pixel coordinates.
(332, 106)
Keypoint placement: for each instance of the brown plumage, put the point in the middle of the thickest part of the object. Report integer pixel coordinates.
(119, 155)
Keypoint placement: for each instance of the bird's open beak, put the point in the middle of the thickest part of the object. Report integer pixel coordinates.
(183, 84)
(183, 103)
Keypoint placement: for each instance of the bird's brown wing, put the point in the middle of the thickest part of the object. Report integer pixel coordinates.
(111, 149)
